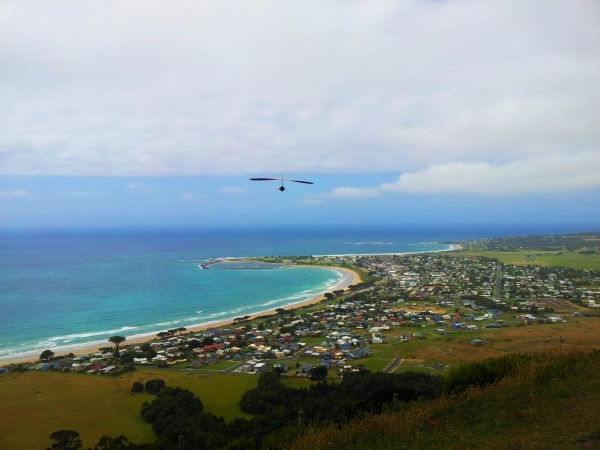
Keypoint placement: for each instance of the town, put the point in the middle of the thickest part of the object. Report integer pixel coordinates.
(429, 299)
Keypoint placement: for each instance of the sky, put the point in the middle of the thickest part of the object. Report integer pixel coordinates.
(157, 113)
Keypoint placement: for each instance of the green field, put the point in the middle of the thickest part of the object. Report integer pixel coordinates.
(35, 404)
(221, 364)
(572, 260)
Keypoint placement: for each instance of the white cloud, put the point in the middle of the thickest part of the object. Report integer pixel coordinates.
(351, 192)
(233, 189)
(344, 192)
(557, 173)
(15, 193)
(304, 87)
(140, 188)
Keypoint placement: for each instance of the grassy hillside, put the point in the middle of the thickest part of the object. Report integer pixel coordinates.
(549, 404)
(43, 402)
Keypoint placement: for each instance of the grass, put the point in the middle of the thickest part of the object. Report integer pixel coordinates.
(221, 364)
(550, 404)
(571, 260)
(220, 393)
(456, 348)
(35, 404)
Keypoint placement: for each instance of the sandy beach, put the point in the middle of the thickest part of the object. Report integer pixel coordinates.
(349, 277)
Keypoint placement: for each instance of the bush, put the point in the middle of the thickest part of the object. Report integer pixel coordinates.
(137, 387)
(480, 373)
(155, 386)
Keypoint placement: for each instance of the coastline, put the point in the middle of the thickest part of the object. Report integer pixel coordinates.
(451, 248)
(349, 277)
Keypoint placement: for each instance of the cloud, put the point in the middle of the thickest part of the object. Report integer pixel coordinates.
(557, 173)
(139, 188)
(15, 193)
(351, 192)
(346, 87)
(233, 189)
(345, 192)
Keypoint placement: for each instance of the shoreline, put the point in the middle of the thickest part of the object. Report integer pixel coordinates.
(452, 247)
(349, 277)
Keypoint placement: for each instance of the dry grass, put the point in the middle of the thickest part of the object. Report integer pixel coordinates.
(583, 333)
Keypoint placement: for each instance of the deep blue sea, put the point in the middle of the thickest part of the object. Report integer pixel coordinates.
(67, 289)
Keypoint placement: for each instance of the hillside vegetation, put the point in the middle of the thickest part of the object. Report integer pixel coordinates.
(538, 401)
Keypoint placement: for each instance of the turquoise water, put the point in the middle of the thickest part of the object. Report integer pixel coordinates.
(64, 289)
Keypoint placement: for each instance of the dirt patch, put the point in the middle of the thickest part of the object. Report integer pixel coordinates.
(457, 353)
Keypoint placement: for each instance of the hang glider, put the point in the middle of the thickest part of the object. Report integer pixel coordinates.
(282, 187)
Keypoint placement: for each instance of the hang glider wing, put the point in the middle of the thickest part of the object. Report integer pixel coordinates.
(305, 182)
(281, 179)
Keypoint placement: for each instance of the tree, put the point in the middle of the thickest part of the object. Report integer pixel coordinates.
(47, 354)
(318, 373)
(117, 341)
(181, 330)
(162, 334)
(208, 340)
(155, 386)
(194, 343)
(137, 387)
(108, 443)
(329, 295)
(65, 440)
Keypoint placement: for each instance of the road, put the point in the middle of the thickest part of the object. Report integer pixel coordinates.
(498, 280)
(395, 363)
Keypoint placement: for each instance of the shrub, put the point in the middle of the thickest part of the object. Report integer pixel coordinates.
(155, 386)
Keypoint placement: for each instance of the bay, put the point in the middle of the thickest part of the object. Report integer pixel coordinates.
(66, 289)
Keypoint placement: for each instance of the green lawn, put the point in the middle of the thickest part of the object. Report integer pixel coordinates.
(221, 364)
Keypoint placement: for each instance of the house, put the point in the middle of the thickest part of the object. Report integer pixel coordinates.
(305, 368)
(260, 367)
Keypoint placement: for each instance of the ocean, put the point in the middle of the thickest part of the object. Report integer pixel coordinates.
(70, 289)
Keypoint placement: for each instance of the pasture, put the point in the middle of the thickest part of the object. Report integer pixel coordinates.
(35, 404)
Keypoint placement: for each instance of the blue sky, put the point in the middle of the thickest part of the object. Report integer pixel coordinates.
(148, 113)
